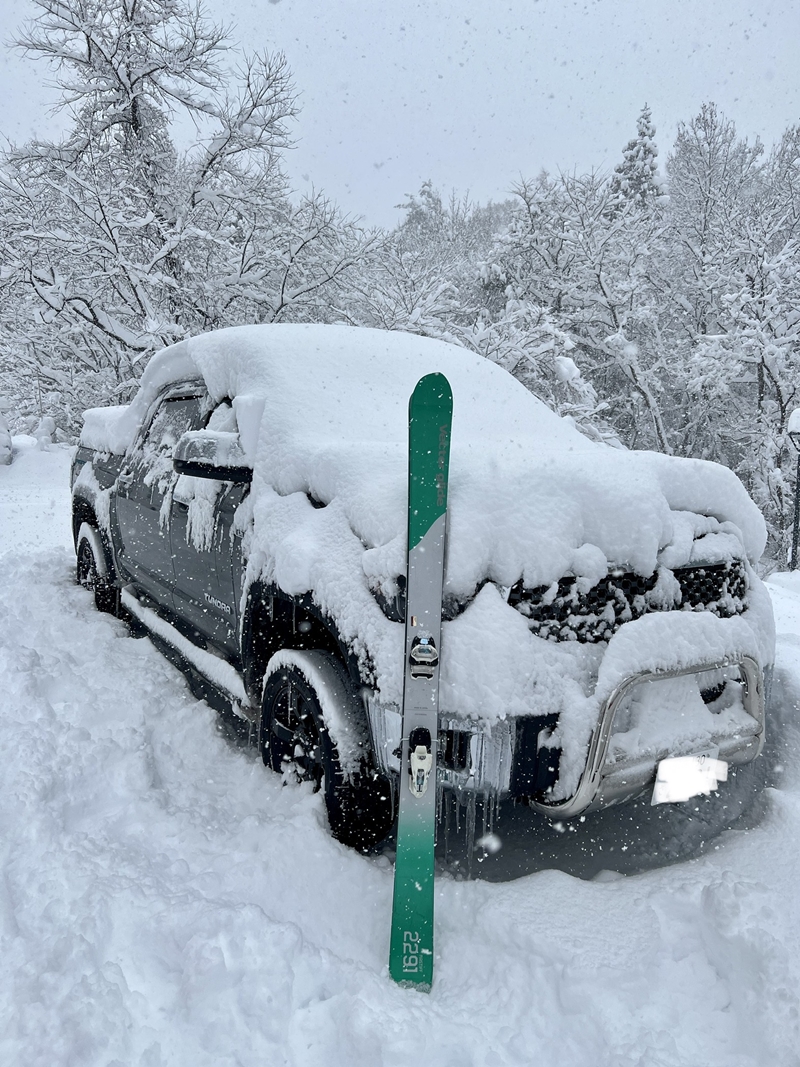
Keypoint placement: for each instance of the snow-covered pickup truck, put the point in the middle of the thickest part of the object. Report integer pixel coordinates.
(601, 609)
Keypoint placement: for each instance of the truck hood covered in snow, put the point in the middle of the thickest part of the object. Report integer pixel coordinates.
(530, 498)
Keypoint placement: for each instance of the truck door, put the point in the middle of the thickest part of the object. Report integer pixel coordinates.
(143, 497)
(202, 548)
(198, 539)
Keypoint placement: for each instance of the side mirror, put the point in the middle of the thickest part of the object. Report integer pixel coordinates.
(212, 454)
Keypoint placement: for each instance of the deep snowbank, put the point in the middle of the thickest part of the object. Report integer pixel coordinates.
(164, 901)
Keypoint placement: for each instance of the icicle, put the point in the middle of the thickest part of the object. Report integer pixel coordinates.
(448, 816)
(471, 803)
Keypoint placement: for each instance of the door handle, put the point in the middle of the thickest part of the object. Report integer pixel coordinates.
(125, 478)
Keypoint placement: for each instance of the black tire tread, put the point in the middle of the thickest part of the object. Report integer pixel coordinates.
(105, 592)
(360, 809)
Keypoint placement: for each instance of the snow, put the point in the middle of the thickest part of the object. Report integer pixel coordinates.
(701, 638)
(222, 674)
(793, 425)
(657, 642)
(165, 901)
(323, 412)
(100, 426)
(5, 442)
(641, 728)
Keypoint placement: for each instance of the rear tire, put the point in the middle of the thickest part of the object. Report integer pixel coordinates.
(295, 742)
(93, 571)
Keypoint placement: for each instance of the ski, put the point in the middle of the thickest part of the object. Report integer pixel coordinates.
(430, 412)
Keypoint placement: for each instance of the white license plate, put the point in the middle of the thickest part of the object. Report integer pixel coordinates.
(680, 778)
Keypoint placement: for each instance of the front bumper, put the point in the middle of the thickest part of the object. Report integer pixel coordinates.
(496, 763)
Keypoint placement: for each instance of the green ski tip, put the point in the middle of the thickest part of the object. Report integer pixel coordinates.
(430, 412)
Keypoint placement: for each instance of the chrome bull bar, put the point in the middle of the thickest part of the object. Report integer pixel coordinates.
(597, 789)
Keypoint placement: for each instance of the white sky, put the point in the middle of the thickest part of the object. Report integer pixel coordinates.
(473, 95)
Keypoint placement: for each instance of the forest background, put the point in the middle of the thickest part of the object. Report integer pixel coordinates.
(658, 307)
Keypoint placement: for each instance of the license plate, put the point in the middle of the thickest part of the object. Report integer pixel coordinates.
(680, 778)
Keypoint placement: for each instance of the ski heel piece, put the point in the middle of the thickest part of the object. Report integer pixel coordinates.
(420, 761)
(423, 658)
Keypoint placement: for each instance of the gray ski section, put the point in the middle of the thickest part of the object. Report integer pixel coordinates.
(421, 695)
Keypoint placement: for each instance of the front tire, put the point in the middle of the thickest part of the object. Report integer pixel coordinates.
(294, 741)
(93, 571)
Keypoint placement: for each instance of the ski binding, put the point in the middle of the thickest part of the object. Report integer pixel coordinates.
(423, 657)
(420, 761)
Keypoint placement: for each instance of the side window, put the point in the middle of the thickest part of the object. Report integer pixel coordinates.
(192, 491)
(174, 417)
(201, 495)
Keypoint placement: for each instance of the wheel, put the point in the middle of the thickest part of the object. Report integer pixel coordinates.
(92, 569)
(295, 742)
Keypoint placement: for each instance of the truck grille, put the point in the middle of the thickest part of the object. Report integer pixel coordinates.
(566, 614)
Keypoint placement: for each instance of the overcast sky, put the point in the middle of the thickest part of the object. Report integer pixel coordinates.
(473, 94)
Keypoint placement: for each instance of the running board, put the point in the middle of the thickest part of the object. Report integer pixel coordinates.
(216, 671)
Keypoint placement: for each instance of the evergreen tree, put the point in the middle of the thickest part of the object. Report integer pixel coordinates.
(636, 177)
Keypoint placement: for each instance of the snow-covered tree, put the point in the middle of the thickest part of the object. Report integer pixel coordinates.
(636, 177)
(713, 177)
(118, 243)
(574, 251)
(728, 293)
(423, 277)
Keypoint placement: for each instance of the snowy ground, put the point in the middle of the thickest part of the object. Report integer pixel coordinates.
(164, 901)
